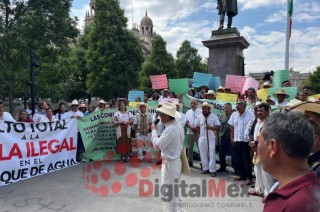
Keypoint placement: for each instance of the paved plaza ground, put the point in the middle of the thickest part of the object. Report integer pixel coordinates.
(115, 186)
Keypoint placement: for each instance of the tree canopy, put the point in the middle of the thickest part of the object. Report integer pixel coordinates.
(314, 81)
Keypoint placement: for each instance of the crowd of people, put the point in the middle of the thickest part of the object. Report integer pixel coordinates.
(277, 149)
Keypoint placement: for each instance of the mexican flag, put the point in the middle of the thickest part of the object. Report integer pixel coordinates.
(290, 10)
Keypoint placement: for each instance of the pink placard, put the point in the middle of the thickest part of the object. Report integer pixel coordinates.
(235, 83)
(250, 83)
(159, 81)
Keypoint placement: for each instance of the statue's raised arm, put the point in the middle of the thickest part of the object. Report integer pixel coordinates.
(227, 6)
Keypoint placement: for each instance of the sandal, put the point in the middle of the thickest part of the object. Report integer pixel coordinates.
(213, 174)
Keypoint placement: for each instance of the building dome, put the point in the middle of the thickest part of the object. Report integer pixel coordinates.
(146, 21)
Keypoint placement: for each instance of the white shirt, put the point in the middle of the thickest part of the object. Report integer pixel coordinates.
(45, 119)
(212, 120)
(74, 114)
(240, 123)
(191, 116)
(284, 103)
(257, 128)
(182, 120)
(63, 116)
(7, 117)
(38, 116)
(170, 141)
(159, 125)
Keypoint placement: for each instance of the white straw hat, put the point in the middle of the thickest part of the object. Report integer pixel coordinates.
(75, 102)
(169, 109)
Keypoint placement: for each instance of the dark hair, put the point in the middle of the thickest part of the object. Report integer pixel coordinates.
(229, 104)
(251, 89)
(307, 87)
(266, 106)
(292, 131)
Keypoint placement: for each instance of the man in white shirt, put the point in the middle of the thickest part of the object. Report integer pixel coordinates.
(101, 106)
(281, 96)
(238, 123)
(171, 144)
(206, 123)
(191, 117)
(182, 120)
(5, 116)
(43, 106)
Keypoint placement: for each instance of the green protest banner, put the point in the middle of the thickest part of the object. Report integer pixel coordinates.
(279, 77)
(179, 86)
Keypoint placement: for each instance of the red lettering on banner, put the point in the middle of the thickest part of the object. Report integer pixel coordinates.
(14, 152)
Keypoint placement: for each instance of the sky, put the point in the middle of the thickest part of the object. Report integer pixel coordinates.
(261, 22)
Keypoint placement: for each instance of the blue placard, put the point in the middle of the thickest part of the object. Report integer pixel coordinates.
(133, 94)
(215, 82)
(201, 79)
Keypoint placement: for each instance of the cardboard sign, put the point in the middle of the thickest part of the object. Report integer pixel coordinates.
(133, 94)
(280, 76)
(201, 79)
(179, 86)
(159, 81)
(227, 97)
(250, 83)
(235, 83)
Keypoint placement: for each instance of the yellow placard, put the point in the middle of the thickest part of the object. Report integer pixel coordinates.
(263, 94)
(133, 104)
(227, 97)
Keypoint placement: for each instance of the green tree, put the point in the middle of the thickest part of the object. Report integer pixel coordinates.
(314, 81)
(43, 25)
(188, 61)
(159, 62)
(114, 55)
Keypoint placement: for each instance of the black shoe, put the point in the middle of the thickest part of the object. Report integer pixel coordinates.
(213, 174)
(205, 172)
(190, 164)
(221, 170)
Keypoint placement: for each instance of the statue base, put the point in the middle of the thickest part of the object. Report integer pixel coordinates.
(226, 53)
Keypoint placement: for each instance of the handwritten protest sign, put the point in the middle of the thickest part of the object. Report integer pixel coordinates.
(235, 83)
(250, 83)
(133, 94)
(280, 76)
(179, 86)
(201, 79)
(227, 97)
(159, 81)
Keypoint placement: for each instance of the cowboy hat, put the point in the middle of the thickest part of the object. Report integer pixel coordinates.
(266, 84)
(281, 92)
(206, 104)
(220, 88)
(102, 102)
(169, 109)
(307, 106)
(211, 92)
(293, 102)
(142, 104)
(75, 102)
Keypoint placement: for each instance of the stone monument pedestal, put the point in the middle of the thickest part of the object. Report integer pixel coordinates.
(226, 53)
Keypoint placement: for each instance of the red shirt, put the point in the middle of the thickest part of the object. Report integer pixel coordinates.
(296, 196)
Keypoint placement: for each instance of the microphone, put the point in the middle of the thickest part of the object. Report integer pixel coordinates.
(156, 122)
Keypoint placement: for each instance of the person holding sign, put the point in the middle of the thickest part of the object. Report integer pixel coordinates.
(142, 124)
(123, 120)
(206, 123)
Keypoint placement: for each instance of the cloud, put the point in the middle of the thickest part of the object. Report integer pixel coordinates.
(254, 4)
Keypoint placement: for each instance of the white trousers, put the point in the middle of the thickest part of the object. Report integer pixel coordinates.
(144, 144)
(203, 148)
(264, 180)
(170, 176)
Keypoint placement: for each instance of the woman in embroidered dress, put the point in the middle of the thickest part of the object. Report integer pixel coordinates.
(123, 121)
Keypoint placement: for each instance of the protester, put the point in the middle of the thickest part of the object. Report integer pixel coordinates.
(211, 95)
(285, 143)
(171, 144)
(251, 96)
(29, 109)
(49, 116)
(101, 106)
(302, 96)
(281, 96)
(142, 123)
(264, 180)
(224, 138)
(238, 122)
(123, 120)
(43, 106)
(314, 158)
(166, 94)
(206, 123)
(308, 90)
(5, 116)
(90, 110)
(191, 117)
(159, 127)
(155, 96)
(62, 113)
(182, 120)
(23, 117)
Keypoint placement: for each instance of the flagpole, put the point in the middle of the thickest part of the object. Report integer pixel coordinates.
(286, 66)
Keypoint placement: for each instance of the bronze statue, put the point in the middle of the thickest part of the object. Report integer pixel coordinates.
(227, 6)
